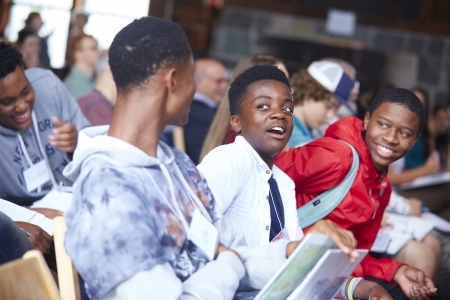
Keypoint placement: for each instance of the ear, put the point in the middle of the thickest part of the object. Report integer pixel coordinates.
(366, 120)
(235, 122)
(171, 80)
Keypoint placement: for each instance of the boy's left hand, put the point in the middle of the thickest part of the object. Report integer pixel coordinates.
(344, 239)
(64, 136)
(412, 280)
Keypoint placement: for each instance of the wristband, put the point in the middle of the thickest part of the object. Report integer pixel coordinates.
(352, 286)
(343, 288)
(349, 294)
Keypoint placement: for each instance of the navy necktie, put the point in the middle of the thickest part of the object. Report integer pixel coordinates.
(276, 209)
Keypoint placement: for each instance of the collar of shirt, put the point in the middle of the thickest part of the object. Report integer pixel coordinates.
(264, 169)
(205, 100)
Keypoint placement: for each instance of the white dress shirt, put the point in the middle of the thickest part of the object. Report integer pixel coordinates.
(238, 179)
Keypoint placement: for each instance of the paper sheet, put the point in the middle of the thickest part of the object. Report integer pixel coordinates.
(429, 180)
(21, 214)
(55, 200)
(439, 223)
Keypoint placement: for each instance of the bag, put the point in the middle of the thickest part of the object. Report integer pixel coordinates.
(325, 203)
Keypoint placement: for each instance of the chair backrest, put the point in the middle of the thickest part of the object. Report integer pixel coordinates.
(27, 278)
(69, 285)
(178, 138)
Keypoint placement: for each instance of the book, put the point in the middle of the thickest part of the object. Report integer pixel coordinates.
(21, 214)
(55, 199)
(430, 180)
(401, 229)
(298, 267)
(327, 277)
(439, 223)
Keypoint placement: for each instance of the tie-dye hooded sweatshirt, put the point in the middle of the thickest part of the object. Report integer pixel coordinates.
(122, 225)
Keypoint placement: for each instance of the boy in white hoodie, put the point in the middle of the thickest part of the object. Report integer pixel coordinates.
(133, 229)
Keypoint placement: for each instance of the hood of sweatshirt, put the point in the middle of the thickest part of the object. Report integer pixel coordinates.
(93, 142)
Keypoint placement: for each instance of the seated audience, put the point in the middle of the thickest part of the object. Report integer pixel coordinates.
(83, 55)
(147, 195)
(38, 127)
(220, 131)
(97, 105)
(28, 44)
(211, 82)
(391, 126)
(261, 108)
(318, 93)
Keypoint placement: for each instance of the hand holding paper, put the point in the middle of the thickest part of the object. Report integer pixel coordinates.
(64, 136)
(344, 239)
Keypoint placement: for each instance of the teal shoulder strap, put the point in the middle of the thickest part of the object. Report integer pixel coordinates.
(325, 203)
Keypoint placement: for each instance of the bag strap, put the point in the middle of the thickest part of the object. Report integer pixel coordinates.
(325, 203)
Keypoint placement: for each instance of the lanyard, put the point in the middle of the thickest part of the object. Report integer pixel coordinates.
(41, 149)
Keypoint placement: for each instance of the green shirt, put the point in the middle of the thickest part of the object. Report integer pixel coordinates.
(79, 83)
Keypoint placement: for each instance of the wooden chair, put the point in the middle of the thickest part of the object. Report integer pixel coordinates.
(69, 285)
(27, 278)
(178, 138)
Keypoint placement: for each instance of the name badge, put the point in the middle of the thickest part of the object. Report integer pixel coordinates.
(203, 234)
(36, 175)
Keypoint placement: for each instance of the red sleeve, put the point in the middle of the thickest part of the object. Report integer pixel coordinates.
(317, 166)
(383, 268)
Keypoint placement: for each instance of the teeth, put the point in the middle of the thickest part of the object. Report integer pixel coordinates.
(384, 149)
(276, 128)
(22, 116)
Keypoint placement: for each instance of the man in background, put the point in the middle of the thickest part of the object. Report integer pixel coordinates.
(210, 78)
(83, 57)
(97, 105)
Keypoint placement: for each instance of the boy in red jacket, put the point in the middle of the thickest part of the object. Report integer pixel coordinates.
(390, 128)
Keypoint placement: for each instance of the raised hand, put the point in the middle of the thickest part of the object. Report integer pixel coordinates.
(64, 136)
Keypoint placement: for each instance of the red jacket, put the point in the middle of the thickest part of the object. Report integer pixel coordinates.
(321, 165)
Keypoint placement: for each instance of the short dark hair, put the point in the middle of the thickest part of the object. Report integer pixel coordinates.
(24, 34)
(11, 58)
(239, 86)
(143, 47)
(402, 97)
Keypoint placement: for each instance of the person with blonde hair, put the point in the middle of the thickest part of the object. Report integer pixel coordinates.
(220, 131)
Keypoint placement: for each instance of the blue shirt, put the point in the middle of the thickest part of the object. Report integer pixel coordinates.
(300, 135)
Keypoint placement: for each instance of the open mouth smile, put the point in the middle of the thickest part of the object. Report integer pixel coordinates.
(277, 132)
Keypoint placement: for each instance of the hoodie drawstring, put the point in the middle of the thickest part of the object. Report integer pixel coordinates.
(173, 206)
(41, 149)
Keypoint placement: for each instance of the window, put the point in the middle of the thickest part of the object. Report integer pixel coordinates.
(56, 17)
(108, 18)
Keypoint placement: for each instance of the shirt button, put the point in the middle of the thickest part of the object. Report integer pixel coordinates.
(268, 172)
(383, 184)
(267, 197)
(267, 227)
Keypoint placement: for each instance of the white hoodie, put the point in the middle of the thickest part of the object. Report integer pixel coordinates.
(127, 242)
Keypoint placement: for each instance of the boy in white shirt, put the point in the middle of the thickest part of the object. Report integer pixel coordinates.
(261, 108)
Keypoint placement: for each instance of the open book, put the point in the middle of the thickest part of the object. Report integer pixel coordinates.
(433, 179)
(315, 264)
(21, 214)
(401, 230)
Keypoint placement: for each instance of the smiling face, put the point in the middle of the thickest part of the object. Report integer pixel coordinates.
(265, 119)
(16, 100)
(391, 131)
